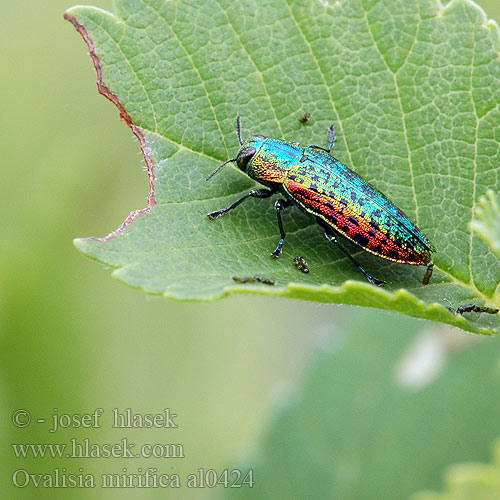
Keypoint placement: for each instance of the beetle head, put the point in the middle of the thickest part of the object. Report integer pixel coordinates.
(246, 152)
(244, 156)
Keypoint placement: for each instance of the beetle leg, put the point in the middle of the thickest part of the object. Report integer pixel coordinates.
(333, 239)
(331, 137)
(331, 140)
(428, 273)
(279, 206)
(255, 193)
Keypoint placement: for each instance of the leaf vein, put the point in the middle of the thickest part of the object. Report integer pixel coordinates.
(338, 121)
(266, 91)
(197, 71)
(403, 115)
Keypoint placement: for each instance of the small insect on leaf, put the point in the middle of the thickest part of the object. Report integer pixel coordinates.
(254, 279)
(473, 308)
(304, 118)
(301, 264)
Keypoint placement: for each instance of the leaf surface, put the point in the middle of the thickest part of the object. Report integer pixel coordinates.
(413, 89)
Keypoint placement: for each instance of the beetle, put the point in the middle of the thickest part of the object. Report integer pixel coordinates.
(341, 201)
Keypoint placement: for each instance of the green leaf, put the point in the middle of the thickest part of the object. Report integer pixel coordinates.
(470, 481)
(384, 410)
(487, 221)
(412, 88)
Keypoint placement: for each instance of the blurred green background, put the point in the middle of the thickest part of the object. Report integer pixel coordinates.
(309, 395)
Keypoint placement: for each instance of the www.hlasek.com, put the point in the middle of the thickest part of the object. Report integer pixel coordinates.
(87, 449)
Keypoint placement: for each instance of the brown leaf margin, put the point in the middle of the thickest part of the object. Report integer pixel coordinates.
(126, 118)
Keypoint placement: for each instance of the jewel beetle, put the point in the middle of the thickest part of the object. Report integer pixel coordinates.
(341, 201)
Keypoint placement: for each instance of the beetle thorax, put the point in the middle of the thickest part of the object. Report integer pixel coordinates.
(271, 161)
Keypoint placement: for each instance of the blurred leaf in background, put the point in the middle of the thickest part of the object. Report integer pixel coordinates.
(470, 481)
(384, 410)
(487, 220)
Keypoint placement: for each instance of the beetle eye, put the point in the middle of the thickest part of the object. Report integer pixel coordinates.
(244, 156)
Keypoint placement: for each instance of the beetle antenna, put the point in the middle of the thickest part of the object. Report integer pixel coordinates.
(238, 128)
(219, 167)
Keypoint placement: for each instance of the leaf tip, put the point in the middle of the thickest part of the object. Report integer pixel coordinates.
(84, 244)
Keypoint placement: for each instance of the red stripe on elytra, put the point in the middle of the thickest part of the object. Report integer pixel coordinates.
(348, 222)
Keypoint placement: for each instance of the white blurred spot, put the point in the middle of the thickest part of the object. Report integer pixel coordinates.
(423, 361)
